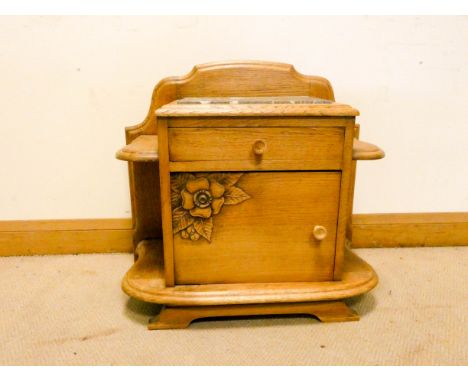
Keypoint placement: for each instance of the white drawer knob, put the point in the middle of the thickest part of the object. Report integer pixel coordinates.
(259, 147)
(320, 232)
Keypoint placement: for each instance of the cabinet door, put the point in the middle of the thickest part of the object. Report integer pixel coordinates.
(254, 226)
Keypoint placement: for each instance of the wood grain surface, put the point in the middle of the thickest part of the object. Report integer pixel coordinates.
(143, 149)
(180, 317)
(314, 147)
(410, 230)
(145, 281)
(269, 237)
(366, 151)
(218, 79)
(39, 237)
(175, 109)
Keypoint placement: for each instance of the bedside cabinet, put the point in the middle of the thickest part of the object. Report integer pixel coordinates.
(252, 166)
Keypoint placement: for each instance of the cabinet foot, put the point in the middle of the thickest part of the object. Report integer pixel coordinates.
(179, 317)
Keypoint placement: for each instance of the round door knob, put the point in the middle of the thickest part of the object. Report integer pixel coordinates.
(259, 147)
(320, 232)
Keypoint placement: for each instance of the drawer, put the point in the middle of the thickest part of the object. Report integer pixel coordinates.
(254, 226)
(249, 148)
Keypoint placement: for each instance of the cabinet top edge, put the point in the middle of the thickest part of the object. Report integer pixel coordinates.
(255, 106)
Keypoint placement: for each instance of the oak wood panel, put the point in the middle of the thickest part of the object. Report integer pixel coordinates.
(64, 225)
(65, 236)
(230, 78)
(252, 78)
(310, 146)
(427, 218)
(276, 122)
(140, 282)
(147, 206)
(145, 147)
(344, 199)
(142, 149)
(349, 227)
(38, 237)
(65, 242)
(366, 151)
(180, 317)
(175, 109)
(410, 230)
(165, 184)
(269, 237)
(248, 165)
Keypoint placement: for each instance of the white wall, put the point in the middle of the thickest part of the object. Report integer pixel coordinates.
(70, 85)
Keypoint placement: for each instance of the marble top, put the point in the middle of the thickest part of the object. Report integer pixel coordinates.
(255, 106)
(292, 100)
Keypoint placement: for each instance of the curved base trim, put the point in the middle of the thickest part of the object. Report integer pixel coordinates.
(145, 281)
(180, 317)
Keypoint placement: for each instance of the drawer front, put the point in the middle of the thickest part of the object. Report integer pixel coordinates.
(254, 226)
(301, 148)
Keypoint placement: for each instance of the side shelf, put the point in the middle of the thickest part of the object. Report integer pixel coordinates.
(143, 149)
(366, 151)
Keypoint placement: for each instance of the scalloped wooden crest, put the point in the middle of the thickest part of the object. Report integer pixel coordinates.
(231, 79)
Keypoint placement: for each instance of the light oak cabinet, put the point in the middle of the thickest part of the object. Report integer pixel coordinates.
(242, 180)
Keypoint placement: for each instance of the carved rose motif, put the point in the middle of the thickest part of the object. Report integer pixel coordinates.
(197, 198)
(203, 197)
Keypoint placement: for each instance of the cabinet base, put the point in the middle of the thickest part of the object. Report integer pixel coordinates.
(179, 317)
(183, 304)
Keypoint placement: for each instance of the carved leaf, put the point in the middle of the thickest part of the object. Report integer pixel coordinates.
(179, 180)
(234, 195)
(181, 219)
(227, 179)
(204, 227)
(176, 199)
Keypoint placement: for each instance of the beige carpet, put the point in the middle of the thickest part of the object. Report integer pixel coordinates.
(69, 310)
